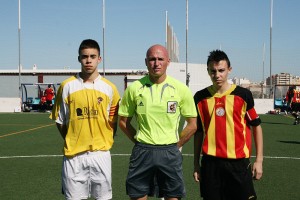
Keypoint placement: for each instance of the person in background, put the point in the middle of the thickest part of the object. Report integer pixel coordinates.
(293, 102)
(43, 104)
(85, 112)
(49, 93)
(226, 117)
(157, 101)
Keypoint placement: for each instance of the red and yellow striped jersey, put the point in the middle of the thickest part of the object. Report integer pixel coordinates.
(225, 120)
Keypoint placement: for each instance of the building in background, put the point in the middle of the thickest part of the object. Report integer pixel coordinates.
(172, 44)
(198, 78)
(121, 77)
(283, 78)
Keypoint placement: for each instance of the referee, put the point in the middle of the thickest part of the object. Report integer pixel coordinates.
(157, 101)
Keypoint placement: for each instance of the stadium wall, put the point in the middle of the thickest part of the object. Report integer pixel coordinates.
(262, 106)
(10, 105)
(198, 79)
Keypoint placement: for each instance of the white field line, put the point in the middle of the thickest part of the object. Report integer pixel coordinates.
(47, 156)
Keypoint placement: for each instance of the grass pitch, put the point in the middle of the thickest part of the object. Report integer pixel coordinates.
(31, 157)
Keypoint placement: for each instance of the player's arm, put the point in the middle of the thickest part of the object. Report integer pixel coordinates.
(62, 128)
(113, 113)
(257, 170)
(198, 141)
(127, 128)
(188, 131)
(113, 122)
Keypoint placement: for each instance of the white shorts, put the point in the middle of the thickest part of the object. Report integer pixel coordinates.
(87, 175)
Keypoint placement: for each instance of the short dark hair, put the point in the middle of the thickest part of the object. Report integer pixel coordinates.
(87, 44)
(216, 56)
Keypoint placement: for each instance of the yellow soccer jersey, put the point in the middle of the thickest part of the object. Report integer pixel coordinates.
(86, 109)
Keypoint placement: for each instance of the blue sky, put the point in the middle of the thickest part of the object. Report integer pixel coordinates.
(51, 31)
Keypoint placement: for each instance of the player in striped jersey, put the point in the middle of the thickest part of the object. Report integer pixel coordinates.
(85, 112)
(226, 120)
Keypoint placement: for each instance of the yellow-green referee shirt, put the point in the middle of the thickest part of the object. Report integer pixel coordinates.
(157, 108)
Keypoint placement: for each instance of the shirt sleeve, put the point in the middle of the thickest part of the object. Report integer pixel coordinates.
(114, 103)
(62, 114)
(187, 105)
(251, 115)
(57, 104)
(60, 111)
(127, 105)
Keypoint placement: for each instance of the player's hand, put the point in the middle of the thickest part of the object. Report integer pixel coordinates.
(197, 173)
(257, 170)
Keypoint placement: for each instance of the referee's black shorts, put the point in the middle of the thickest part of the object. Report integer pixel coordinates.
(155, 170)
(226, 179)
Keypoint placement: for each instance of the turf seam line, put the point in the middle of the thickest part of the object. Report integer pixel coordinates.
(27, 130)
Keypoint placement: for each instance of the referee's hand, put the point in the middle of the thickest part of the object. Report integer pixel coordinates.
(196, 176)
(197, 173)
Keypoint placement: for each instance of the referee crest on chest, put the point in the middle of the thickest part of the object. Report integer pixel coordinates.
(172, 106)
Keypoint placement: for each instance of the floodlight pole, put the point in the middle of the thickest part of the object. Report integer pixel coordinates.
(103, 30)
(263, 71)
(19, 40)
(271, 24)
(186, 44)
(166, 42)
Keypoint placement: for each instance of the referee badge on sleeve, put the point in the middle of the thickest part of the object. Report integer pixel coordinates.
(172, 105)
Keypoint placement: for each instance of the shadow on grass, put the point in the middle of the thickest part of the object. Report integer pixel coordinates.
(281, 123)
(289, 142)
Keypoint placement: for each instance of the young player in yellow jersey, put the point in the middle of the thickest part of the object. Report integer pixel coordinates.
(85, 112)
